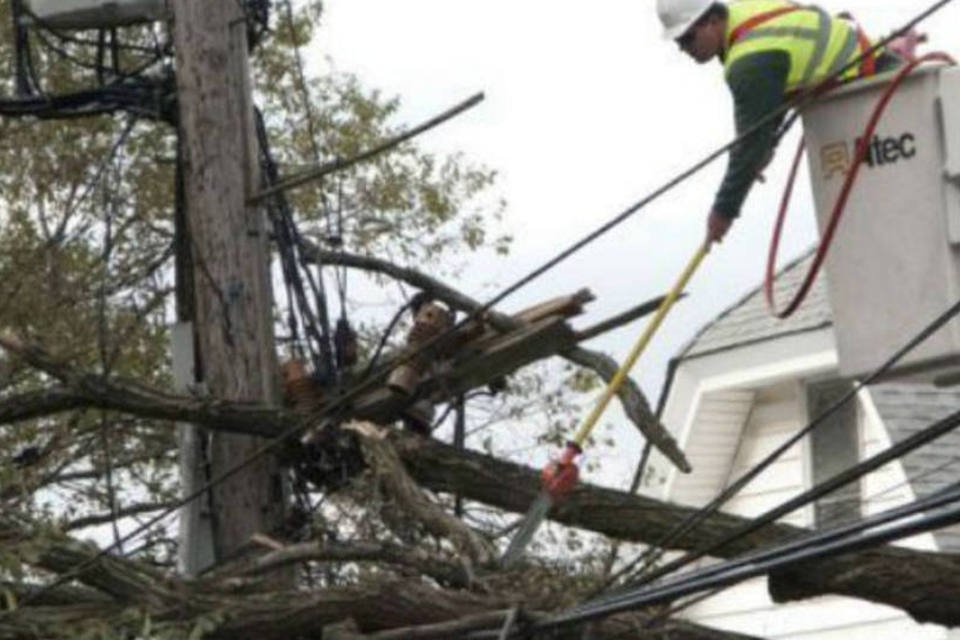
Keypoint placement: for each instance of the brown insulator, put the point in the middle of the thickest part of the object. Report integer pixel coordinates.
(300, 390)
(345, 341)
(430, 321)
(418, 417)
(404, 379)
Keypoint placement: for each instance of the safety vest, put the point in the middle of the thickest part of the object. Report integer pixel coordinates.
(818, 44)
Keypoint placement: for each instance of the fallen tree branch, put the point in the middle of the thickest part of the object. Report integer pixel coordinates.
(443, 571)
(393, 479)
(621, 319)
(379, 610)
(37, 404)
(631, 397)
(103, 518)
(123, 580)
(382, 607)
(512, 487)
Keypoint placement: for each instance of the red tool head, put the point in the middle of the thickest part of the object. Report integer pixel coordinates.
(561, 476)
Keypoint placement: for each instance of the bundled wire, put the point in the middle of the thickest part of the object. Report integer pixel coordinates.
(315, 323)
(26, 77)
(334, 235)
(891, 525)
(844, 478)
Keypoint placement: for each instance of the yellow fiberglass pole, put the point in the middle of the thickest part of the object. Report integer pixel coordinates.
(614, 385)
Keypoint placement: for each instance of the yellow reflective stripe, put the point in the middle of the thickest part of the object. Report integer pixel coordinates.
(818, 45)
(846, 54)
(782, 32)
(820, 48)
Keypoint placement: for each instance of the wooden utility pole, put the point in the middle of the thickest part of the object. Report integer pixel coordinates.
(233, 300)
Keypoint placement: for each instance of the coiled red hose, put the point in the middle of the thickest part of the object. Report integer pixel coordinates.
(839, 207)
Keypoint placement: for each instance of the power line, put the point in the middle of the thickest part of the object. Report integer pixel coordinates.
(836, 519)
(698, 517)
(885, 527)
(925, 436)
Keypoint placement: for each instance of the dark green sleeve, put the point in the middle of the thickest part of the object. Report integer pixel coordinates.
(758, 83)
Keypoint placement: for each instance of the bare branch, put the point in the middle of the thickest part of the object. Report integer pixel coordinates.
(444, 572)
(104, 518)
(394, 480)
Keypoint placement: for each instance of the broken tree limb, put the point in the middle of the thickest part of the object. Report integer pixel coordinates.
(393, 480)
(37, 404)
(621, 319)
(59, 554)
(381, 607)
(481, 478)
(474, 366)
(633, 401)
(875, 575)
(443, 571)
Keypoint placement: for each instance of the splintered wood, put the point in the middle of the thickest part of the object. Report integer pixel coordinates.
(473, 356)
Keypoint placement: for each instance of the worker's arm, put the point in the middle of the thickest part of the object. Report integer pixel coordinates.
(758, 83)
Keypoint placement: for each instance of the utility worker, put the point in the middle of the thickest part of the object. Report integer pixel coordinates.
(771, 50)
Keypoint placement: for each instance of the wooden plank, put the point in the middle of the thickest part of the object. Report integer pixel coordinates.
(565, 306)
(515, 350)
(568, 306)
(471, 370)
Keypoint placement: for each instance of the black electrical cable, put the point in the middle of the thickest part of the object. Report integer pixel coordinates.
(41, 24)
(25, 78)
(835, 514)
(339, 404)
(81, 103)
(917, 440)
(845, 539)
(289, 242)
(85, 103)
(695, 519)
(384, 338)
(99, 63)
(316, 286)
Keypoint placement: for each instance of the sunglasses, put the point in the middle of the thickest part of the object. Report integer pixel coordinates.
(687, 38)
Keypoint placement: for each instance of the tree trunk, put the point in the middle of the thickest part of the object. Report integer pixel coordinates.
(232, 276)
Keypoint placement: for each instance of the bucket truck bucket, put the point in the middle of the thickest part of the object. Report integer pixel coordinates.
(894, 265)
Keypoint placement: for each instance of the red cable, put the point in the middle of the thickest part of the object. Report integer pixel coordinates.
(840, 206)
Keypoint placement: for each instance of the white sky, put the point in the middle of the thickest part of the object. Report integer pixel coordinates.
(586, 111)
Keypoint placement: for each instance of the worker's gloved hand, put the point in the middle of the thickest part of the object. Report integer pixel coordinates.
(717, 227)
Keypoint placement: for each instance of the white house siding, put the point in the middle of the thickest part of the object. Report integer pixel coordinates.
(710, 445)
(777, 413)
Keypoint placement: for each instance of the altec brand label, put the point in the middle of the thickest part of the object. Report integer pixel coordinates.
(837, 157)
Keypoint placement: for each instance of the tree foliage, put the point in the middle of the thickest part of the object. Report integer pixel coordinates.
(86, 232)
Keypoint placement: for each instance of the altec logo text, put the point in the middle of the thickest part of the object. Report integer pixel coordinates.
(836, 157)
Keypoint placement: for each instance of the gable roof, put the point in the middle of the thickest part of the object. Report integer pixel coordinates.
(749, 321)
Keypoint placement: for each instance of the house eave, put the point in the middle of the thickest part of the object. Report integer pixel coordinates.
(803, 355)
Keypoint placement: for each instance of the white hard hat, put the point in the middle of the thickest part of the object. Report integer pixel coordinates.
(678, 16)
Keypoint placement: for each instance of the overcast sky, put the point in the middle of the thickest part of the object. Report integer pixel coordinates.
(587, 110)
